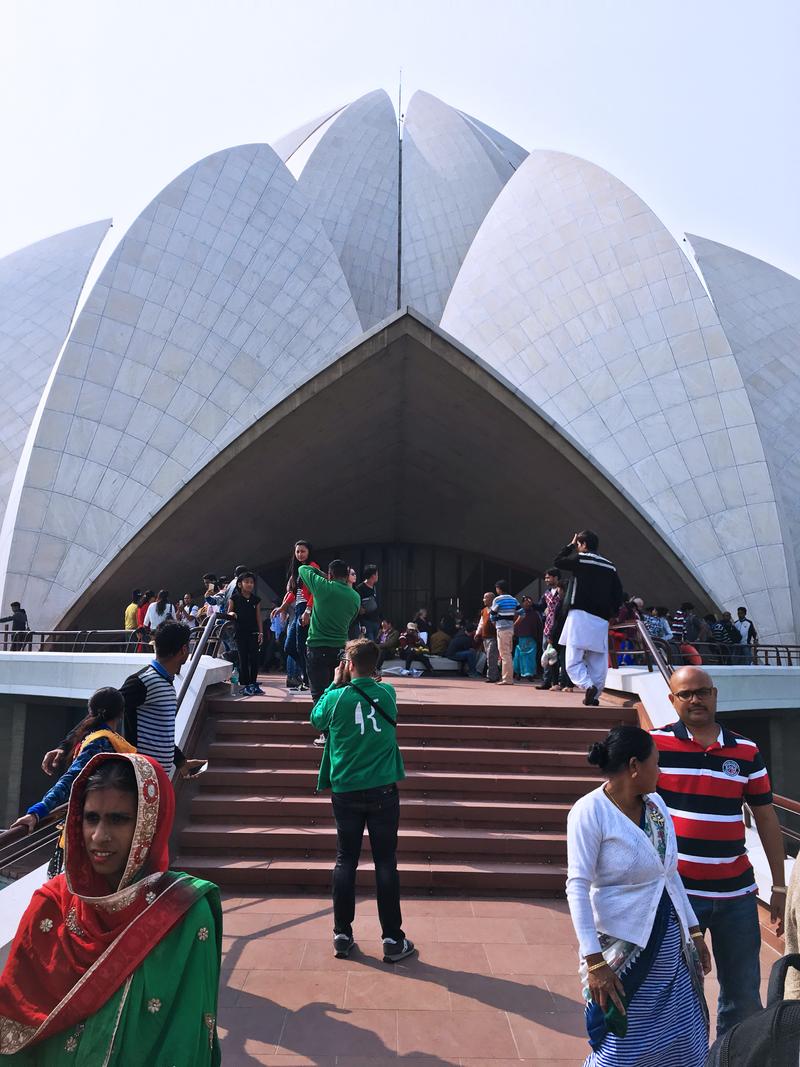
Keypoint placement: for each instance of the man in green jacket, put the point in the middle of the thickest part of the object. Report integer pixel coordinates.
(362, 765)
(335, 605)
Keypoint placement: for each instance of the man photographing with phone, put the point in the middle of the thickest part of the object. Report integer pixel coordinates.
(361, 765)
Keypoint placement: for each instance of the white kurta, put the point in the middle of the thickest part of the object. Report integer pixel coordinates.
(582, 630)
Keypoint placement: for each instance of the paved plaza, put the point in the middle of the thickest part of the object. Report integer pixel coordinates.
(494, 984)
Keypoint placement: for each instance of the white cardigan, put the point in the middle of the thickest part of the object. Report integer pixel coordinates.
(615, 875)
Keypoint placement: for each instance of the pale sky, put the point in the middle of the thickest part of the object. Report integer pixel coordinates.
(693, 103)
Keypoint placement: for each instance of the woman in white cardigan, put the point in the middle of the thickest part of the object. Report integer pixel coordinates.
(642, 951)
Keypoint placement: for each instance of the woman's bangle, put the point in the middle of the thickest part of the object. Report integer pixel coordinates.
(699, 935)
(779, 889)
(597, 966)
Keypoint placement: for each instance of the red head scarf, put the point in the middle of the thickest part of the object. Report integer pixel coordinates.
(77, 943)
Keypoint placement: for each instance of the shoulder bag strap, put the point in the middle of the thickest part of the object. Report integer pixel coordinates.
(379, 710)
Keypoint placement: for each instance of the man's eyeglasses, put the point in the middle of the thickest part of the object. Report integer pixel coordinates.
(702, 694)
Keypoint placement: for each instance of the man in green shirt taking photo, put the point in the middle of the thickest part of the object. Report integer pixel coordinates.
(361, 765)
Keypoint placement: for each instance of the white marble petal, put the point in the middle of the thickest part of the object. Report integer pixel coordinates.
(39, 288)
(224, 295)
(452, 172)
(351, 180)
(598, 316)
(759, 309)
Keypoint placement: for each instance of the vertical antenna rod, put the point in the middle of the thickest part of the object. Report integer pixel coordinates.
(399, 190)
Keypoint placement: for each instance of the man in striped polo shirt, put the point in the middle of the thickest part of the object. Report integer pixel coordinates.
(151, 705)
(707, 773)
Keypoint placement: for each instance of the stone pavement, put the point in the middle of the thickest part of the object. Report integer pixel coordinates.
(494, 984)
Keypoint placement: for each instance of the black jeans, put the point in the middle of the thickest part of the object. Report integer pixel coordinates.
(419, 657)
(378, 810)
(321, 664)
(247, 644)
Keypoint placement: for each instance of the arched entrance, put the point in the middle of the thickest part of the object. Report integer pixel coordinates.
(406, 439)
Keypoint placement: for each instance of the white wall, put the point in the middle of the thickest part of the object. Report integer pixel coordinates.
(741, 688)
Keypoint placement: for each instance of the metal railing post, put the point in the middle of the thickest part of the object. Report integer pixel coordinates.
(199, 649)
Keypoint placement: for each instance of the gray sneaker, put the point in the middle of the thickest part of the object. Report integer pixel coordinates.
(342, 945)
(394, 951)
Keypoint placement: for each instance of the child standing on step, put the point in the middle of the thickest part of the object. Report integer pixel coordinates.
(244, 607)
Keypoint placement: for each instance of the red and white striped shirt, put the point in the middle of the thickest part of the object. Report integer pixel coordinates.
(704, 789)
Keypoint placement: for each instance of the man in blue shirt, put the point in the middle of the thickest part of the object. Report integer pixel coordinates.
(503, 613)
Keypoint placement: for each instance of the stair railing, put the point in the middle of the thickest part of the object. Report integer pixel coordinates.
(17, 845)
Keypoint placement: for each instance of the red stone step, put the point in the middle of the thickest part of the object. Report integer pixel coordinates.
(521, 760)
(577, 738)
(287, 872)
(315, 810)
(525, 787)
(298, 709)
(413, 841)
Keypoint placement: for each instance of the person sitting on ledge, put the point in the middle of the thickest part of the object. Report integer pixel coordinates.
(117, 960)
(412, 648)
(388, 639)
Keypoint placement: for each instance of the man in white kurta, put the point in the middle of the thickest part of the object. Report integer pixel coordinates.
(595, 596)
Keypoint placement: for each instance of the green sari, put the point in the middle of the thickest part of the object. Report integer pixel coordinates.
(164, 1014)
(127, 978)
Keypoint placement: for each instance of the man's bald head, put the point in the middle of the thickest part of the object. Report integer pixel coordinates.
(690, 678)
(697, 711)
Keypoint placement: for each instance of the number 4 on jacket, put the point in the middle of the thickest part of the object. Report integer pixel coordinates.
(359, 716)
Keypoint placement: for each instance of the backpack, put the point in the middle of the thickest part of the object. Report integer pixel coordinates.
(770, 1038)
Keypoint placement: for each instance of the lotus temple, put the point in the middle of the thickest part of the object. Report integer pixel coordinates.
(449, 348)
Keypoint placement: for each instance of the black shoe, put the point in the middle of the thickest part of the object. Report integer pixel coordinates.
(394, 951)
(590, 697)
(542, 686)
(292, 683)
(342, 945)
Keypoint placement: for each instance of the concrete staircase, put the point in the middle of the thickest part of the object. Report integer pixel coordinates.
(492, 774)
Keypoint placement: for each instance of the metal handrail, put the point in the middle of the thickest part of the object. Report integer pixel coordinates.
(46, 830)
(199, 649)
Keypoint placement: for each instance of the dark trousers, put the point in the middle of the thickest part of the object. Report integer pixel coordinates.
(247, 644)
(321, 664)
(378, 810)
(420, 657)
(736, 943)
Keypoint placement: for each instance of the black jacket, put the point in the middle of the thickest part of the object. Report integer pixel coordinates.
(598, 589)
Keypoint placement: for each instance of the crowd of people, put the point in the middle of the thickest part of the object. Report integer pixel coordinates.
(656, 855)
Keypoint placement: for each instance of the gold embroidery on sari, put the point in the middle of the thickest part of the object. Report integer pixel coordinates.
(71, 1043)
(72, 924)
(14, 1035)
(210, 1022)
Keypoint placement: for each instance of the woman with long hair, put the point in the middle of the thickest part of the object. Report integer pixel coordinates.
(643, 955)
(159, 611)
(117, 960)
(297, 603)
(99, 731)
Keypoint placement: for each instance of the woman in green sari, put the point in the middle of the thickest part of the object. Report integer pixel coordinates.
(116, 961)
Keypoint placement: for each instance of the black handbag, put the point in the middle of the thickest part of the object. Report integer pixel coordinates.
(770, 1038)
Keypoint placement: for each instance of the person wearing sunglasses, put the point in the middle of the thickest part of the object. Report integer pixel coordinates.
(707, 773)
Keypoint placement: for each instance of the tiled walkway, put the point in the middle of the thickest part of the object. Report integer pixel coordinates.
(494, 984)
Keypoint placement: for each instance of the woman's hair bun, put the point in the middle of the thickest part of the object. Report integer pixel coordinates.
(598, 754)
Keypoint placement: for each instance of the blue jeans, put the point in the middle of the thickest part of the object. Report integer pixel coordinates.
(736, 941)
(370, 629)
(468, 656)
(295, 645)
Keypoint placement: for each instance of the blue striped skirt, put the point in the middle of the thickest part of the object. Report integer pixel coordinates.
(666, 1023)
